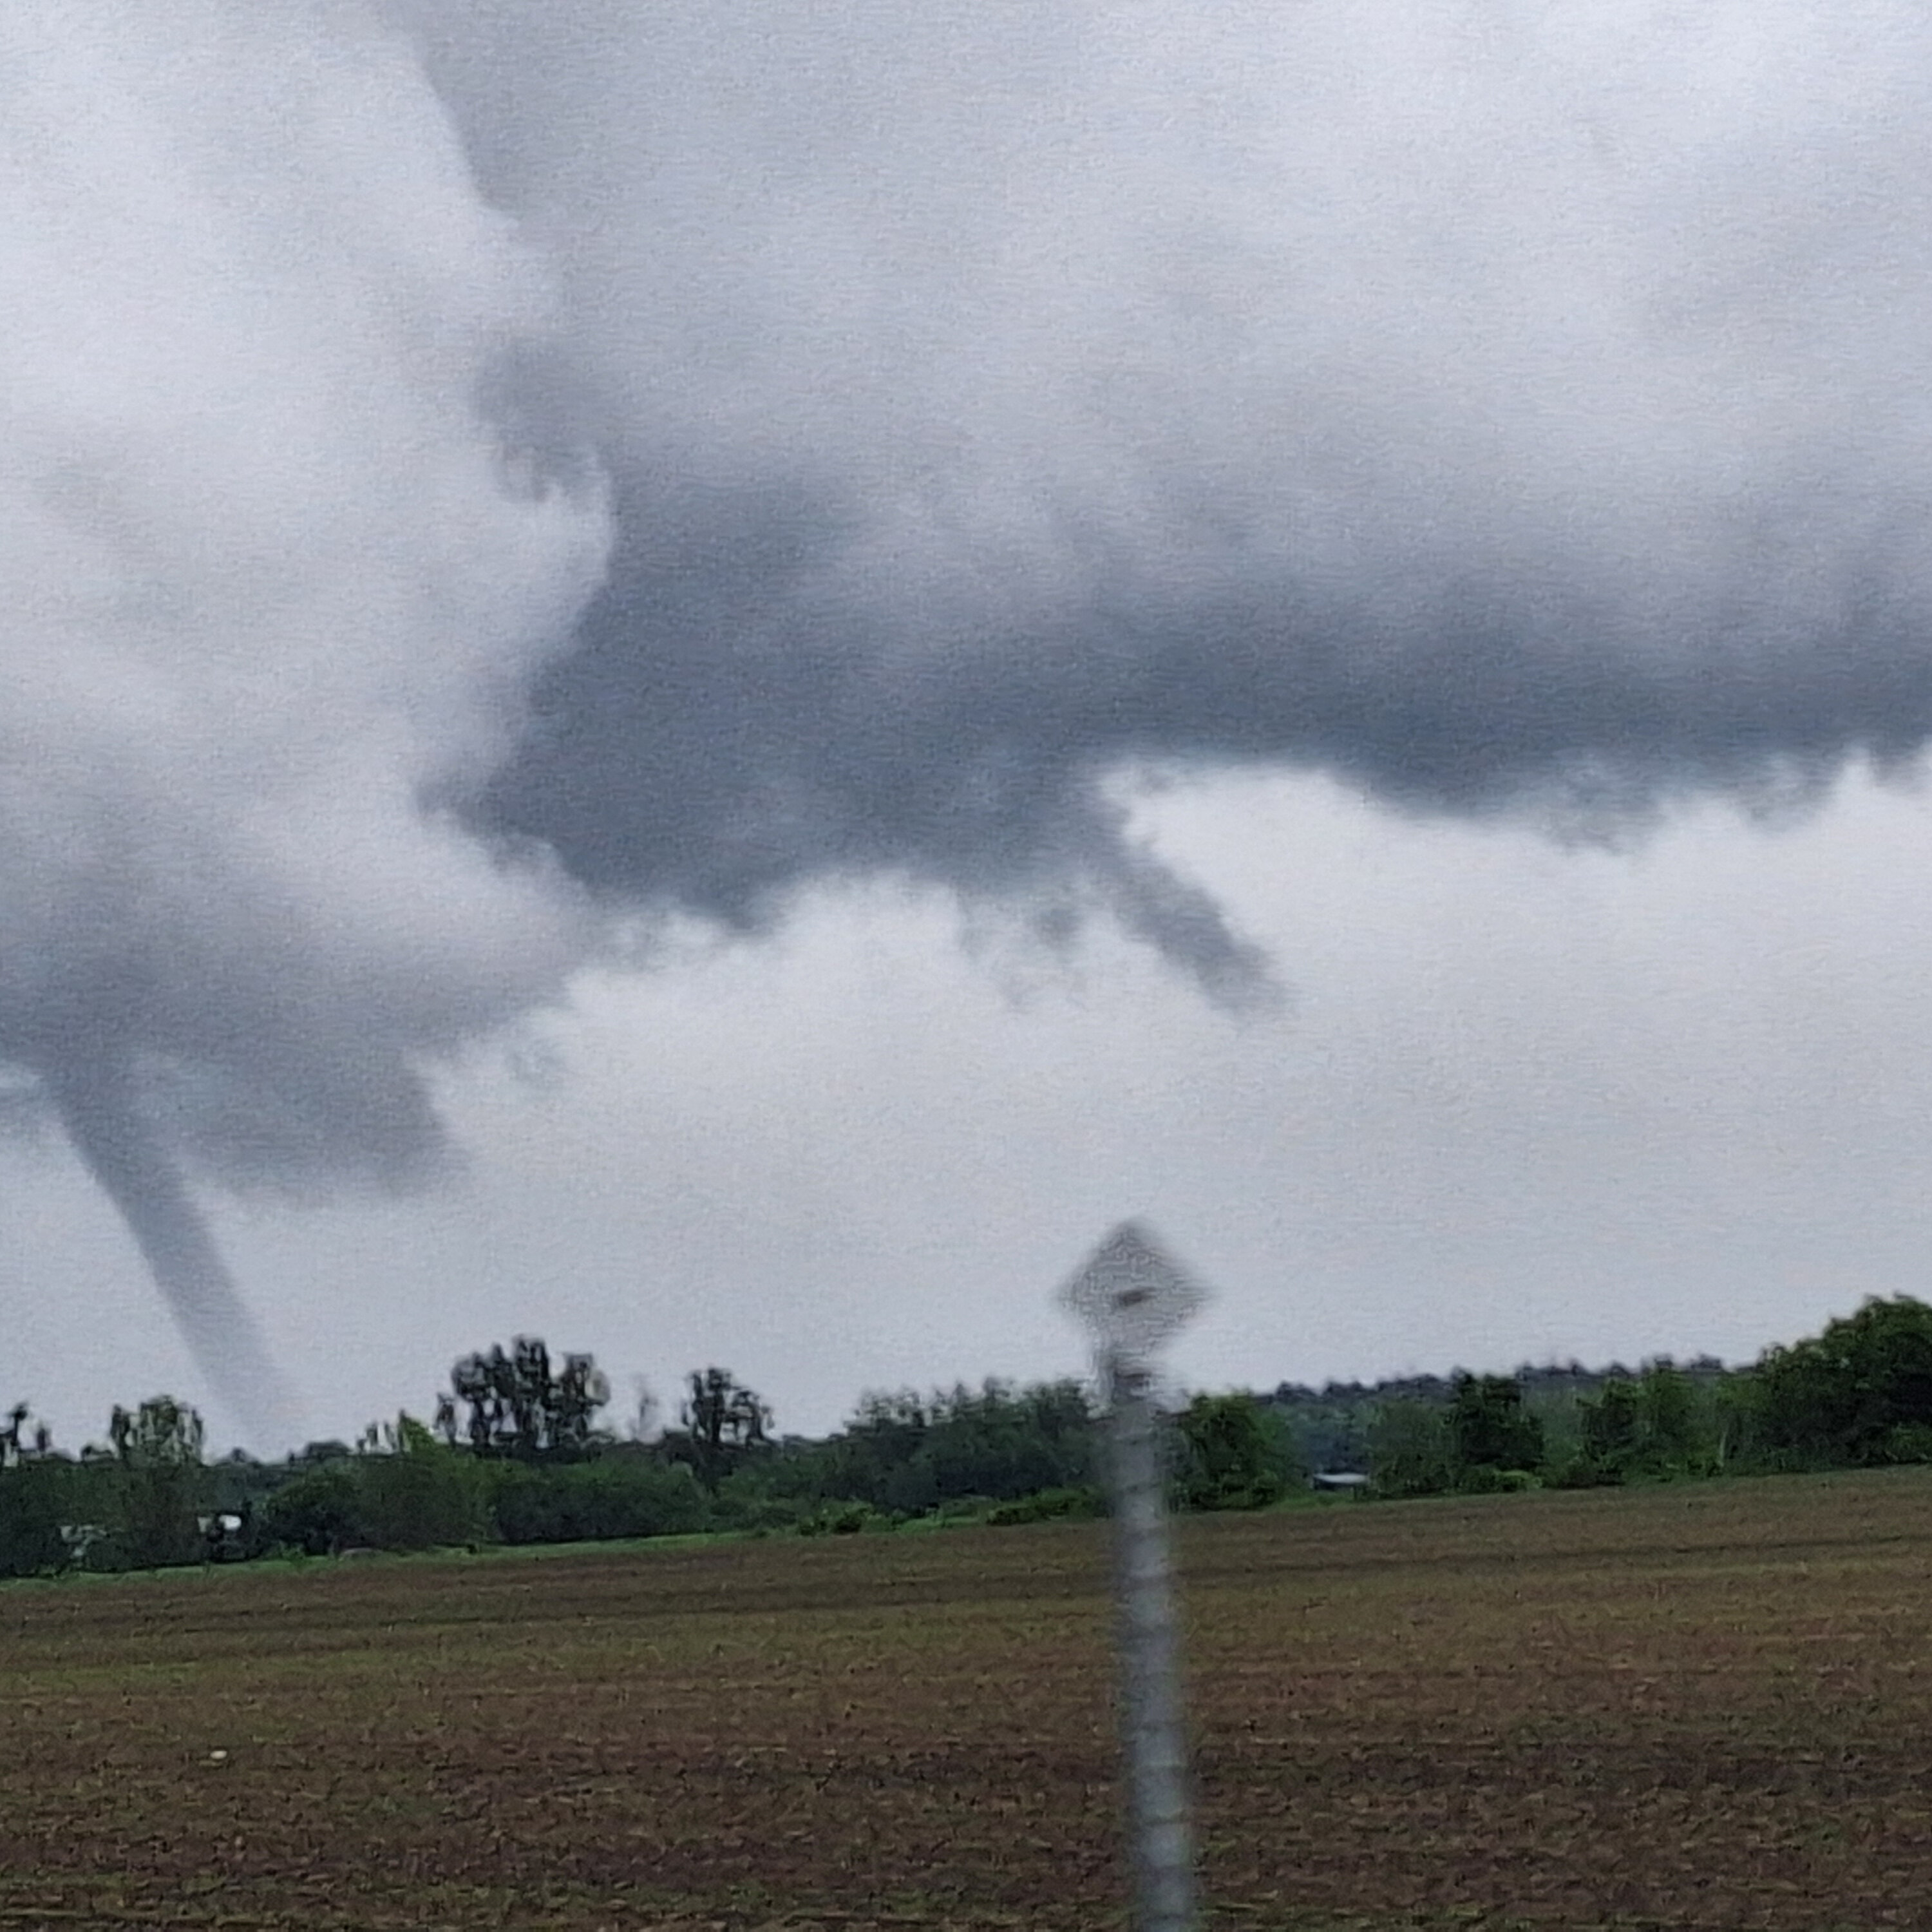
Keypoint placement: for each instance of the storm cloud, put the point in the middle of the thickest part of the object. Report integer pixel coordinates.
(1500, 407)
(269, 579)
(479, 474)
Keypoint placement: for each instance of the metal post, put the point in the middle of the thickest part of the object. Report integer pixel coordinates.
(1133, 1297)
(1150, 1719)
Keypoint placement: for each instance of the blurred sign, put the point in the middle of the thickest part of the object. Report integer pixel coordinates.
(1134, 1298)
(1132, 1295)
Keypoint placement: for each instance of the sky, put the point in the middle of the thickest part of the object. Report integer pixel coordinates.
(712, 680)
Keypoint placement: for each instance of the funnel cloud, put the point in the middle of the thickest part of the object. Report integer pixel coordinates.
(126, 1157)
(480, 475)
(273, 584)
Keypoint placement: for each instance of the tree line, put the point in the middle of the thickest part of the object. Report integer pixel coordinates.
(517, 1451)
(1858, 1395)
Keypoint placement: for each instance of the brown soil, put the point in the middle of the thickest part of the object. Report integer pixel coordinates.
(1704, 1706)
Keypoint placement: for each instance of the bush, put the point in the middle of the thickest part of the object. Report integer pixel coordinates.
(845, 1520)
(1485, 1481)
(618, 1495)
(421, 1496)
(417, 1494)
(745, 1500)
(1490, 1428)
(1861, 1393)
(1068, 1504)
(1236, 1454)
(1409, 1450)
(964, 1509)
(33, 1499)
(317, 1512)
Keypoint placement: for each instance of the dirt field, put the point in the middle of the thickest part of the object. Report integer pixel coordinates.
(1707, 1706)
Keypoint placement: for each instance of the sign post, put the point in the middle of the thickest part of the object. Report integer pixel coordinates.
(1134, 1298)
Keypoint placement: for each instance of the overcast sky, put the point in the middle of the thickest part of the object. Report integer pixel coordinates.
(1526, 1103)
(712, 679)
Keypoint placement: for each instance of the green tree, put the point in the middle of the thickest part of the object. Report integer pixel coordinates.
(1655, 1427)
(158, 1456)
(1613, 1426)
(905, 1453)
(1859, 1393)
(520, 1404)
(319, 1513)
(1676, 1431)
(1236, 1453)
(723, 1420)
(1409, 1449)
(17, 1442)
(418, 1493)
(625, 1492)
(1490, 1431)
(34, 1494)
(404, 1490)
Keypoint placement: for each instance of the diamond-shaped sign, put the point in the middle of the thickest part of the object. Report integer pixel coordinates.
(1131, 1295)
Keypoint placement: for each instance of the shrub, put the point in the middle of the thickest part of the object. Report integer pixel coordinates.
(844, 1519)
(415, 1495)
(33, 1499)
(615, 1496)
(1490, 1428)
(1072, 1503)
(1859, 1393)
(161, 1477)
(421, 1496)
(317, 1512)
(1236, 1453)
(1484, 1480)
(1409, 1450)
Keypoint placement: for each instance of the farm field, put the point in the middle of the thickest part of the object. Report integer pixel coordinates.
(1708, 1706)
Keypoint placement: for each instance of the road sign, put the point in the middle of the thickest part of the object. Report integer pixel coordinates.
(1134, 1297)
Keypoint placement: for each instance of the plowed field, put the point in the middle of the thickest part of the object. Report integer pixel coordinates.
(1707, 1706)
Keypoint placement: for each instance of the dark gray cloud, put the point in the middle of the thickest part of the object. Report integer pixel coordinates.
(1502, 408)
